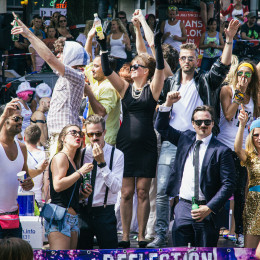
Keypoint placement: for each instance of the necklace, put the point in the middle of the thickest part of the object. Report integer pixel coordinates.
(136, 93)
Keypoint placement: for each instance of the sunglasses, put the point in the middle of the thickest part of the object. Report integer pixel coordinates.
(184, 58)
(207, 122)
(75, 133)
(97, 134)
(122, 17)
(17, 118)
(256, 136)
(63, 21)
(136, 66)
(172, 8)
(247, 74)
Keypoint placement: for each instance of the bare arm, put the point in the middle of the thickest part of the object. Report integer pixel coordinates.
(230, 33)
(183, 37)
(229, 108)
(140, 45)
(221, 42)
(88, 44)
(244, 37)
(243, 117)
(39, 46)
(203, 46)
(126, 41)
(96, 106)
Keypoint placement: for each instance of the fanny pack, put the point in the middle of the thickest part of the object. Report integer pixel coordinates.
(9, 221)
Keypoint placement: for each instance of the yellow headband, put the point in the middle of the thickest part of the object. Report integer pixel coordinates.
(245, 64)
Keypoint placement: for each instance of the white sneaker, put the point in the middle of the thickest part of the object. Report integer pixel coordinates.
(240, 241)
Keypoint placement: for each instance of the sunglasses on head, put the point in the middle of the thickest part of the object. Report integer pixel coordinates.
(17, 118)
(207, 122)
(172, 8)
(97, 134)
(189, 58)
(75, 133)
(136, 66)
(247, 74)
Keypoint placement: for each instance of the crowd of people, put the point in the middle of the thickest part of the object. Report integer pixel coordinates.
(114, 123)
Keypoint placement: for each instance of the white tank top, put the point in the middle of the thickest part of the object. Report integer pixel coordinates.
(228, 129)
(26, 114)
(174, 30)
(118, 48)
(8, 179)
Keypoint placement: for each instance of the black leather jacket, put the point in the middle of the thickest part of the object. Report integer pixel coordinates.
(208, 86)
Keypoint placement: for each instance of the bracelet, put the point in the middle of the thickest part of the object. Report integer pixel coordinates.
(79, 172)
(236, 102)
(101, 52)
(239, 96)
(229, 42)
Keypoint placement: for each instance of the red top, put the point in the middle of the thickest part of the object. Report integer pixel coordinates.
(231, 8)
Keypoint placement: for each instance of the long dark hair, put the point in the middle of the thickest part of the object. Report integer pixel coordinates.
(62, 134)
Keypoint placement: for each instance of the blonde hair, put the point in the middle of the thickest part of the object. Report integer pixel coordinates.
(88, 27)
(231, 74)
(120, 25)
(250, 147)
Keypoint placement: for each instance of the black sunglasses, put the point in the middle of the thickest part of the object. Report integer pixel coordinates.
(17, 118)
(63, 21)
(256, 135)
(75, 133)
(207, 122)
(97, 134)
(136, 66)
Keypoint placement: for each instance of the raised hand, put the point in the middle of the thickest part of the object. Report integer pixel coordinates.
(103, 42)
(243, 116)
(232, 29)
(87, 167)
(242, 84)
(172, 97)
(11, 107)
(92, 32)
(138, 15)
(21, 28)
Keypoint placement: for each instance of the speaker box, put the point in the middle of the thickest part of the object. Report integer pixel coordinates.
(6, 42)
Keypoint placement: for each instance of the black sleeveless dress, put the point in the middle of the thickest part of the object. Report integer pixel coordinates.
(136, 137)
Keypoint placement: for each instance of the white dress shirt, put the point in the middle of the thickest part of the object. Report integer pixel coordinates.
(105, 177)
(188, 177)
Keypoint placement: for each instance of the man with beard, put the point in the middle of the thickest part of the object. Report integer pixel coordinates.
(195, 90)
(38, 118)
(13, 159)
(103, 99)
(203, 176)
(97, 214)
(250, 30)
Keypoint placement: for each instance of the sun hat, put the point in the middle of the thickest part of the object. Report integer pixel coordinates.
(24, 86)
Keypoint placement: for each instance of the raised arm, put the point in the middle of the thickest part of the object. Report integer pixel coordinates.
(158, 79)
(230, 33)
(242, 117)
(39, 46)
(88, 45)
(140, 45)
(118, 83)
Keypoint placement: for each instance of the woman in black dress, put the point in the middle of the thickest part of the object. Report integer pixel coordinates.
(136, 137)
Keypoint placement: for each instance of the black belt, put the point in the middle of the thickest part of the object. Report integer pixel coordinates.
(199, 202)
(10, 213)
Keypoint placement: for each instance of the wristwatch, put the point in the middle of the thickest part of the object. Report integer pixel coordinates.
(102, 165)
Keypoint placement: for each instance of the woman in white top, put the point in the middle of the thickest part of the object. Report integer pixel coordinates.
(174, 32)
(119, 42)
(242, 90)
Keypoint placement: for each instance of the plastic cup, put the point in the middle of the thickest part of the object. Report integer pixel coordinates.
(21, 176)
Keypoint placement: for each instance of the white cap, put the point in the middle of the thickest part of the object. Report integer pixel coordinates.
(43, 90)
(24, 86)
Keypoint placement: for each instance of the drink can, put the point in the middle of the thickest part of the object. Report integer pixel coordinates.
(21, 176)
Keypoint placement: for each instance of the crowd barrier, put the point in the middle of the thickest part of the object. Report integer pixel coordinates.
(184, 253)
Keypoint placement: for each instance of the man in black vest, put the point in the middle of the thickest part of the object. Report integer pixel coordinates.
(97, 214)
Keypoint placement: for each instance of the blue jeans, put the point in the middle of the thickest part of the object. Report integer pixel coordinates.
(15, 232)
(166, 159)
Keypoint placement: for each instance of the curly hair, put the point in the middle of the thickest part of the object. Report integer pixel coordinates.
(61, 137)
(171, 55)
(148, 61)
(125, 74)
(253, 87)
(120, 25)
(59, 44)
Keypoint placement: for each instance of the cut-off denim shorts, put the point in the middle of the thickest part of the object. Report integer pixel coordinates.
(71, 223)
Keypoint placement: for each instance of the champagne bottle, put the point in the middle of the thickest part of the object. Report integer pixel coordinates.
(98, 26)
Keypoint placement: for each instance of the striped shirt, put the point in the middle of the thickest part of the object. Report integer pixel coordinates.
(66, 101)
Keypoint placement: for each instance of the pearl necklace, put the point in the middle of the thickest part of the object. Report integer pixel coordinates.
(136, 93)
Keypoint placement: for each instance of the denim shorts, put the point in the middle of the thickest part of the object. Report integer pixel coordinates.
(71, 223)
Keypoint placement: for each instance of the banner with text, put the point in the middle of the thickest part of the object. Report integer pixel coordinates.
(149, 254)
